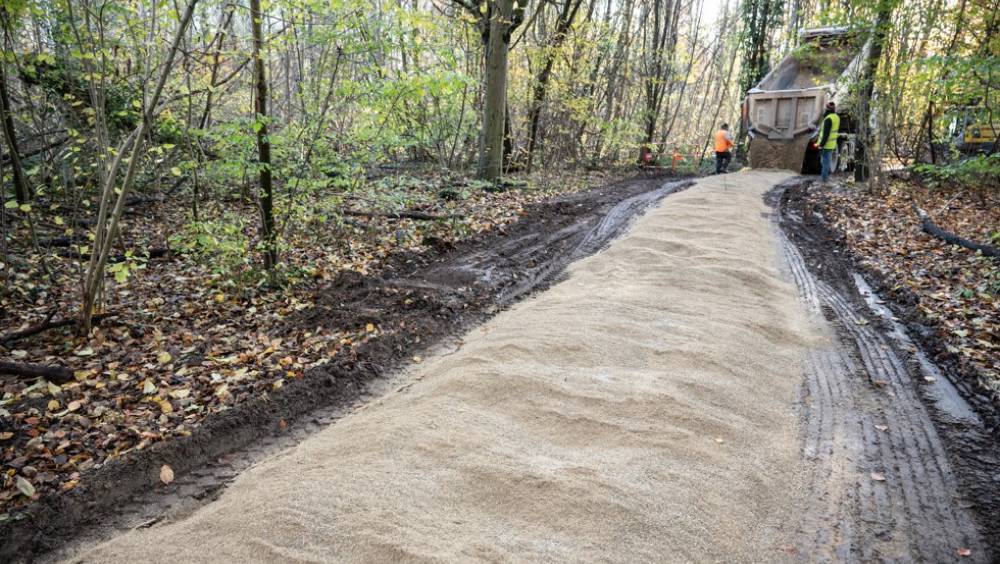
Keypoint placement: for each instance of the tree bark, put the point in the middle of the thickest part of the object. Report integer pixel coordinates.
(21, 190)
(44, 326)
(108, 219)
(931, 228)
(866, 136)
(759, 18)
(52, 373)
(658, 56)
(566, 16)
(495, 106)
(263, 142)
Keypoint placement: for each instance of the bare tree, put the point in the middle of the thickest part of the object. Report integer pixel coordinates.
(567, 13)
(883, 19)
(110, 214)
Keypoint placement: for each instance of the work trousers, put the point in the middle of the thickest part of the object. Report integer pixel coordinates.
(722, 159)
(826, 163)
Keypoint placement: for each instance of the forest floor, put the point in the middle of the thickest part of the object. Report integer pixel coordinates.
(182, 377)
(577, 423)
(949, 295)
(719, 384)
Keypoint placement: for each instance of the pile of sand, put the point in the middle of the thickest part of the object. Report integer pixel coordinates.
(787, 155)
(641, 410)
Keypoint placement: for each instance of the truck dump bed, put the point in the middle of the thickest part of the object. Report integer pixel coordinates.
(784, 110)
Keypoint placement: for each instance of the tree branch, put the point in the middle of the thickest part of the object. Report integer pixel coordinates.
(931, 228)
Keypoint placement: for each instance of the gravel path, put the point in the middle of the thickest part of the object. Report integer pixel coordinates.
(640, 410)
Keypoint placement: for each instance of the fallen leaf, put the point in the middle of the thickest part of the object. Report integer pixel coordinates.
(85, 352)
(166, 474)
(54, 389)
(148, 387)
(882, 427)
(878, 477)
(74, 405)
(24, 486)
(53, 405)
(164, 357)
(370, 328)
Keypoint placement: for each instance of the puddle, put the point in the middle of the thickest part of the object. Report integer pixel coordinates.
(935, 385)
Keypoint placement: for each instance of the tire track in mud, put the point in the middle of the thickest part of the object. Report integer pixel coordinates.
(543, 255)
(881, 486)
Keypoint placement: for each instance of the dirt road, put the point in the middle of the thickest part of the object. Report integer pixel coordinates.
(679, 396)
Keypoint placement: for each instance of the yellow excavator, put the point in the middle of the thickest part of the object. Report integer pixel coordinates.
(972, 131)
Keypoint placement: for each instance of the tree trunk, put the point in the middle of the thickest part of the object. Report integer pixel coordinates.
(866, 136)
(566, 16)
(495, 104)
(263, 142)
(21, 189)
(759, 19)
(658, 56)
(108, 216)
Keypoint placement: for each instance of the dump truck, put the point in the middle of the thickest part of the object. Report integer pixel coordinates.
(782, 114)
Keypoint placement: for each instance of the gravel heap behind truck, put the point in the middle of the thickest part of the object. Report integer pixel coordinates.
(783, 112)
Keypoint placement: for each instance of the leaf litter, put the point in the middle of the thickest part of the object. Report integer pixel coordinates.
(954, 291)
(184, 342)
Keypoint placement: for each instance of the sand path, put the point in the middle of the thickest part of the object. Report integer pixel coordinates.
(641, 410)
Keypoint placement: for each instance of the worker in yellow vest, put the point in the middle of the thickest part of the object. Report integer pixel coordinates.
(828, 139)
(723, 149)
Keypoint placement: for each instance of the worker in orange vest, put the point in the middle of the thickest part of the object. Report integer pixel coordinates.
(723, 149)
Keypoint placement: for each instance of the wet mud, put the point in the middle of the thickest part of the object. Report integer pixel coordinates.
(904, 465)
(418, 302)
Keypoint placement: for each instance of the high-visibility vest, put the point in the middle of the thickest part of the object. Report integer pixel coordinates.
(831, 141)
(722, 143)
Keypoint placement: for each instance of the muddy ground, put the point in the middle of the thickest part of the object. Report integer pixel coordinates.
(418, 301)
(869, 408)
